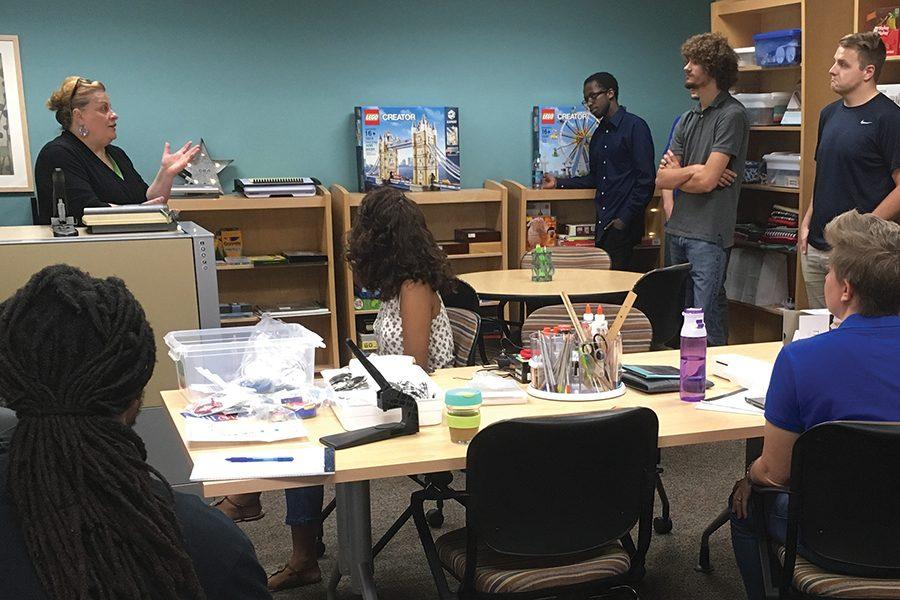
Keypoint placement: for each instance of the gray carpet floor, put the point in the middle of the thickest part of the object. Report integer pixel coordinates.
(698, 480)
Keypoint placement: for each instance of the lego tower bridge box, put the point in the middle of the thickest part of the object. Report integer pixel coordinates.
(408, 147)
(561, 137)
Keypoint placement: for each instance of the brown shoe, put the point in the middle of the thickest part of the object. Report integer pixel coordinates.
(240, 513)
(287, 578)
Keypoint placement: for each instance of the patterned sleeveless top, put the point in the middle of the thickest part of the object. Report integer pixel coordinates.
(389, 333)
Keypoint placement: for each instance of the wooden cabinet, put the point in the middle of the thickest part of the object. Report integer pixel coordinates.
(444, 212)
(574, 207)
(271, 226)
(823, 23)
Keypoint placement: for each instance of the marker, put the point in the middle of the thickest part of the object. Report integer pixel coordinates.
(247, 459)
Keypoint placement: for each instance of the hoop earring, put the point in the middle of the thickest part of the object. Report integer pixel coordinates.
(82, 130)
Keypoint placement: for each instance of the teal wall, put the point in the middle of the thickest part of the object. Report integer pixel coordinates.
(272, 84)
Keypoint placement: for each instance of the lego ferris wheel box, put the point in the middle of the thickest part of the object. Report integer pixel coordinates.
(561, 137)
(408, 147)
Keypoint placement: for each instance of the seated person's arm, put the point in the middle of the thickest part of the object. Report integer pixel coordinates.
(416, 313)
(705, 178)
(784, 424)
(773, 468)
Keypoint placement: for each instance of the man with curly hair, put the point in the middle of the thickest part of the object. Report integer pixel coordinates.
(705, 162)
(857, 155)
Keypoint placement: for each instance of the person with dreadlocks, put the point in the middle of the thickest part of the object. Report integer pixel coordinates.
(83, 515)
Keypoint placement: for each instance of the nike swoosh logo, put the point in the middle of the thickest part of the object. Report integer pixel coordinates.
(865, 122)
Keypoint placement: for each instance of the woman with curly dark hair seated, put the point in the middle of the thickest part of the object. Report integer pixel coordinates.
(391, 250)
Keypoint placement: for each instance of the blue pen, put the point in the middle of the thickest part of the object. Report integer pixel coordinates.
(246, 459)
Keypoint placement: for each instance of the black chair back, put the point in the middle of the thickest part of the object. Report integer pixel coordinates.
(459, 294)
(36, 217)
(554, 486)
(845, 502)
(660, 296)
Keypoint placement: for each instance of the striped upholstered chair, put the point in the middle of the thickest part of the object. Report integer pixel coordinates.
(842, 509)
(538, 526)
(574, 257)
(636, 332)
(465, 325)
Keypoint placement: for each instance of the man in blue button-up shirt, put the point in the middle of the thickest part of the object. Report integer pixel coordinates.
(623, 170)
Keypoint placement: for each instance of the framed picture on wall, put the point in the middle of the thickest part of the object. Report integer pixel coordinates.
(15, 157)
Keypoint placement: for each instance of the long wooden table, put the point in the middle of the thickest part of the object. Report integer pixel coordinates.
(680, 424)
(516, 284)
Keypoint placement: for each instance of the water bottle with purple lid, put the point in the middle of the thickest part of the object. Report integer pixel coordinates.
(693, 356)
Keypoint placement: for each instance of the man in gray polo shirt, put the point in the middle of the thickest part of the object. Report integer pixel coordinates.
(711, 142)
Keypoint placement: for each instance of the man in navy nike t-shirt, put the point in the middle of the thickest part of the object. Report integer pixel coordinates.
(857, 156)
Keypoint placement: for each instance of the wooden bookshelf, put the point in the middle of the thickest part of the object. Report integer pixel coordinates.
(271, 226)
(572, 207)
(444, 212)
(823, 23)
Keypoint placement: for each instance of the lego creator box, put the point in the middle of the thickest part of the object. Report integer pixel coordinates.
(561, 138)
(408, 147)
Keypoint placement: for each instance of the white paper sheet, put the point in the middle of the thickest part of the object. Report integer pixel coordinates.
(307, 460)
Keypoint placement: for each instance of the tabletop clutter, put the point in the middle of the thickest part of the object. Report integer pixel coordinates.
(257, 384)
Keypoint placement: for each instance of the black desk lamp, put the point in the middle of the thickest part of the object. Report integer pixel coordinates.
(389, 397)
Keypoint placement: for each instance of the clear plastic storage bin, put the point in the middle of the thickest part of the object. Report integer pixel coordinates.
(760, 108)
(783, 169)
(746, 56)
(222, 353)
(778, 48)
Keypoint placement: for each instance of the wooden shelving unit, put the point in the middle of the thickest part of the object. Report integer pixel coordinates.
(571, 207)
(444, 211)
(823, 23)
(270, 226)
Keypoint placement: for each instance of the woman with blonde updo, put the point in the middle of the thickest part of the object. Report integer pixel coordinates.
(97, 173)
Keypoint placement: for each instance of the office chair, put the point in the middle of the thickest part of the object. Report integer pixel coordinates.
(459, 294)
(660, 296)
(466, 326)
(636, 337)
(550, 506)
(842, 508)
(573, 257)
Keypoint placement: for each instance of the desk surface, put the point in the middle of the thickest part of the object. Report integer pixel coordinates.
(680, 423)
(517, 283)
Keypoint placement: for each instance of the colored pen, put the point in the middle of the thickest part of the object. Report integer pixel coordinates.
(247, 459)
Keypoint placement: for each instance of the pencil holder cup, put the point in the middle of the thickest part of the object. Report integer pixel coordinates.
(542, 268)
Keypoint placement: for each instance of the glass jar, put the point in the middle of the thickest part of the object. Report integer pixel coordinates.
(463, 414)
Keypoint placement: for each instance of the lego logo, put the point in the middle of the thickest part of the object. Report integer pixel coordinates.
(548, 116)
(372, 117)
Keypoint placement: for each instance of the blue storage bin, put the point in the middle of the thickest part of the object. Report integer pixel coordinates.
(777, 48)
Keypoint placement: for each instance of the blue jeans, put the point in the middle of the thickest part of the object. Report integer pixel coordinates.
(304, 505)
(745, 541)
(709, 263)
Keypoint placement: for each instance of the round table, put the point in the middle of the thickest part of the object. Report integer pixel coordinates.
(516, 284)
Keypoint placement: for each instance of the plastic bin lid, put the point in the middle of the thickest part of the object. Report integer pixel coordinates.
(781, 33)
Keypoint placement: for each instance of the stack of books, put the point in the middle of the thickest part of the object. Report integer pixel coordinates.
(132, 218)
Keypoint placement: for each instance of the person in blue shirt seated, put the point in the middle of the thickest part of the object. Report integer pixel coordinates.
(862, 288)
(82, 514)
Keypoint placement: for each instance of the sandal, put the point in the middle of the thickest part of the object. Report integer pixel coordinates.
(290, 578)
(246, 513)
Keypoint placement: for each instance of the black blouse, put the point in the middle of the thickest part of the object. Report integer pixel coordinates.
(89, 181)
